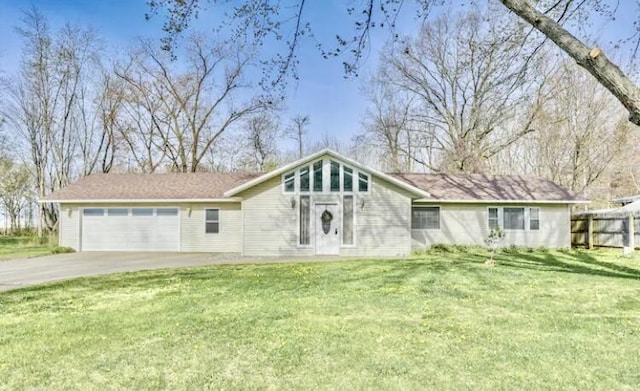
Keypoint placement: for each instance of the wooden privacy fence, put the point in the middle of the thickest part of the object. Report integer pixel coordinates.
(605, 230)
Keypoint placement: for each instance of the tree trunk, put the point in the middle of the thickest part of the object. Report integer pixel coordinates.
(591, 59)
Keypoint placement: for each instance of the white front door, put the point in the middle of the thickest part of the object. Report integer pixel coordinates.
(327, 229)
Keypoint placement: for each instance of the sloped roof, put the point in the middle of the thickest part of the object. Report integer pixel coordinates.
(480, 187)
(173, 186)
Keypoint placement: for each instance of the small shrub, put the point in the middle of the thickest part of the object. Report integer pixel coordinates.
(62, 250)
(542, 249)
(511, 249)
(441, 248)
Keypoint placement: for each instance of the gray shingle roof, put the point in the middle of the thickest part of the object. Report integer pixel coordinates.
(186, 186)
(483, 187)
(174, 186)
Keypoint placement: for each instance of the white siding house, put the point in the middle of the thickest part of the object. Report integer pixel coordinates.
(324, 204)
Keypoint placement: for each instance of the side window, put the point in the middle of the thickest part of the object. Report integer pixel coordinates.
(534, 219)
(347, 179)
(363, 182)
(305, 220)
(493, 218)
(335, 176)
(423, 217)
(304, 179)
(212, 221)
(290, 182)
(317, 176)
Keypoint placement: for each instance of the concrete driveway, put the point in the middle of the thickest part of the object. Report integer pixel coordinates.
(20, 273)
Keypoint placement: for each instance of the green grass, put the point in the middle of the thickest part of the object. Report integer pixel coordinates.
(537, 320)
(13, 247)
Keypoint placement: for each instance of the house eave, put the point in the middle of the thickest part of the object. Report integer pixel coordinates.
(467, 201)
(142, 200)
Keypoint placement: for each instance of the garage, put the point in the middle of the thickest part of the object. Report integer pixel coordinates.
(130, 229)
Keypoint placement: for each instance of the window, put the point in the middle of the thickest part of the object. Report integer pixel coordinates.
(212, 221)
(117, 212)
(534, 219)
(363, 182)
(305, 220)
(347, 220)
(493, 218)
(142, 212)
(335, 176)
(513, 218)
(93, 212)
(425, 217)
(347, 179)
(167, 212)
(317, 176)
(290, 182)
(304, 179)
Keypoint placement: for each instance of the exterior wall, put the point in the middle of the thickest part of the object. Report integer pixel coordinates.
(192, 225)
(467, 224)
(194, 238)
(382, 225)
(69, 226)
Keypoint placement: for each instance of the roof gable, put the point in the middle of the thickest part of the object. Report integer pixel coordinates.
(334, 155)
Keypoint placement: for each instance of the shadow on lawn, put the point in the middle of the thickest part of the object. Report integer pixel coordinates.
(569, 262)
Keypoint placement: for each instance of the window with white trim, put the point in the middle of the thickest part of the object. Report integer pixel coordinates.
(347, 220)
(212, 221)
(363, 182)
(305, 220)
(534, 219)
(290, 182)
(513, 218)
(305, 181)
(425, 217)
(334, 178)
(347, 179)
(494, 221)
(317, 176)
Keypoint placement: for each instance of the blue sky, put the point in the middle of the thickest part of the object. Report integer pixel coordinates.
(334, 103)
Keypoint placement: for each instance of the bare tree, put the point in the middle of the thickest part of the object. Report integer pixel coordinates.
(548, 17)
(583, 137)
(260, 140)
(471, 92)
(16, 192)
(186, 112)
(50, 103)
(298, 130)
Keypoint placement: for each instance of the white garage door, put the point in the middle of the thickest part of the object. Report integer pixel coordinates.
(130, 229)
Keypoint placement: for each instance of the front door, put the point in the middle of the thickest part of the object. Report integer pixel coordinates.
(327, 227)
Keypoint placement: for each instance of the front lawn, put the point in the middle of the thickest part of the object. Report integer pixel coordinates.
(12, 247)
(442, 321)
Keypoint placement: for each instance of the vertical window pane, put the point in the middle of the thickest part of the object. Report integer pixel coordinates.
(335, 176)
(304, 179)
(347, 220)
(347, 179)
(514, 218)
(290, 182)
(534, 219)
(317, 176)
(305, 220)
(493, 218)
(212, 221)
(363, 182)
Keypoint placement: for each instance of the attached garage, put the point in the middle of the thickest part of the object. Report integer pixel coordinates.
(130, 229)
